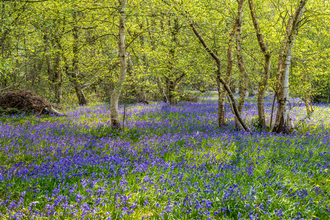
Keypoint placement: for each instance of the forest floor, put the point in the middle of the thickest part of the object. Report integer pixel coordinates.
(168, 163)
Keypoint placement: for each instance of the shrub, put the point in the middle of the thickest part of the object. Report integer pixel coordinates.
(1, 111)
(12, 111)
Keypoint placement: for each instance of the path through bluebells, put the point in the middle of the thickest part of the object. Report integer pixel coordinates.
(169, 163)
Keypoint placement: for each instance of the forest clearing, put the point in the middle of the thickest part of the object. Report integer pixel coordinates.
(168, 163)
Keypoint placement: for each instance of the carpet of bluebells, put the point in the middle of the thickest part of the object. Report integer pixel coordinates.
(168, 163)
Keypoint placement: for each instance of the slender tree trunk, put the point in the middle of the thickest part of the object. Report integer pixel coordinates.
(218, 63)
(58, 79)
(221, 110)
(161, 89)
(281, 61)
(49, 62)
(153, 47)
(241, 67)
(264, 80)
(262, 90)
(272, 112)
(307, 98)
(283, 121)
(170, 90)
(309, 108)
(141, 93)
(219, 78)
(221, 105)
(223, 93)
(115, 122)
(171, 80)
(54, 71)
(75, 63)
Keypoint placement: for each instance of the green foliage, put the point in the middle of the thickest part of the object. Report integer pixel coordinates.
(12, 111)
(258, 125)
(159, 45)
(187, 96)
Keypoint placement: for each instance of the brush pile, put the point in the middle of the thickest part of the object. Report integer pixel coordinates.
(27, 101)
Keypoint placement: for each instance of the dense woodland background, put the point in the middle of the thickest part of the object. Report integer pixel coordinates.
(68, 51)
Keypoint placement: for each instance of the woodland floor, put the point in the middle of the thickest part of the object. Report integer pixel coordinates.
(169, 163)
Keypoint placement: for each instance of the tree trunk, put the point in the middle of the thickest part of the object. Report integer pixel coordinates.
(171, 92)
(115, 122)
(171, 80)
(221, 105)
(241, 67)
(58, 79)
(161, 89)
(264, 81)
(221, 109)
(230, 61)
(283, 120)
(49, 62)
(75, 63)
(170, 87)
(262, 90)
(153, 47)
(220, 79)
(221, 90)
(307, 98)
(309, 108)
(218, 63)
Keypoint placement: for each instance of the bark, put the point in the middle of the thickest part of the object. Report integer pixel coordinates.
(272, 112)
(307, 98)
(220, 79)
(281, 60)
(309, 108)
(153, 47)
(264, 81)
(115, 122)
(221, 110)
(170, 87)
(241, 67)
(75, 64)
(222, 92)
(161, 89)
(58, 79)
(49, 62)
(221, 106)
(172, 81)
(283, 120)
(71, 74)
(141, 94)
(54, 71)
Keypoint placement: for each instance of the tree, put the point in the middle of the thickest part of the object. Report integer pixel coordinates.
(217, 60)
(282, 123)
(267, 65)
(240, 62)
(115, 122)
